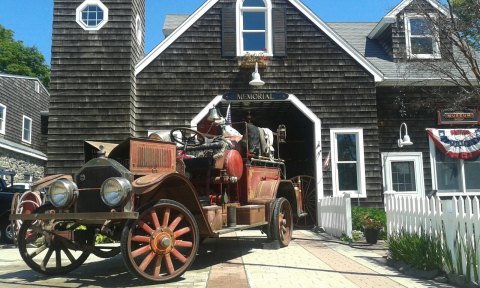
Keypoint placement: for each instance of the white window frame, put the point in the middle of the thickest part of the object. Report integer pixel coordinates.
(416, 158)
(29, 141)
(37, 87)
(463, 184)
(435, 37)
(83, 6)
(3, 124)
(138, 29)
(268, 28)
(361, 184)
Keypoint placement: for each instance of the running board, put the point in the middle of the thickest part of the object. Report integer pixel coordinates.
(238, 228)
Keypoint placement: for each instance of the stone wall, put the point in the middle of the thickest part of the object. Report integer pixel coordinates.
(22, 165)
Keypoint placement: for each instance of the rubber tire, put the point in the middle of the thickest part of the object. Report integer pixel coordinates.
(275, 228)
(131, 223)
(32, 264)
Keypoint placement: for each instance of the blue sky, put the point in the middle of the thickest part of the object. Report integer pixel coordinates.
(31, 20)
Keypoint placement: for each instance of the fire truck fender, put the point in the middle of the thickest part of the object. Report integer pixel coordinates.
(173, 186)
(287, 190)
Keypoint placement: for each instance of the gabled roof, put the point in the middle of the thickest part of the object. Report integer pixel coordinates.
(395, 73)
(378, 76)
(25, 77)
(392, 16)
(172, 21)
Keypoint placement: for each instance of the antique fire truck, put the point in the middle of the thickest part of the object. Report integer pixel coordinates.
(159, 198)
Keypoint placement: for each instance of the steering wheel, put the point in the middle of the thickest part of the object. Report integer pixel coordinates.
(187, 137)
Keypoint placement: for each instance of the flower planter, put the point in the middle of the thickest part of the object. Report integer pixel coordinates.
(371, 235)
(251, 65)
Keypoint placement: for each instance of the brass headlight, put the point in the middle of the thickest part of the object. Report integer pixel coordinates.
(62, 193)
(115, 191)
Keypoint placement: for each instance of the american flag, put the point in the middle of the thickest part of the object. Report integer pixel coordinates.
(228, 118)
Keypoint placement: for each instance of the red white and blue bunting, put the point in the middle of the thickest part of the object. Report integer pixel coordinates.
(457, 143)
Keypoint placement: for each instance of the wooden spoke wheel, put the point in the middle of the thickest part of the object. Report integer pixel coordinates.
(282, 222)
(162, 243)
(308, 186)
(44, 250)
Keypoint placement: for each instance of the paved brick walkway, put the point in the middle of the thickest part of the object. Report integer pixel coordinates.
(237, 260)
(311, 260)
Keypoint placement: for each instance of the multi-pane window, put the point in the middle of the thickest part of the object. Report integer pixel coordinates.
(348, 162)
(254, 26)
(421, 39)
(403, 176)
(27, 130)
(403, 172)
(455, 175)
(92, 15)
(3, 118)
(37, 87)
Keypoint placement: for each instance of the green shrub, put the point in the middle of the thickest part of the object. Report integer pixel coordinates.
(360, 216)
(419, 251)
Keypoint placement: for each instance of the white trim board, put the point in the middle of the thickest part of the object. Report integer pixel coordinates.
(4, 146)
(27, 78)
(317, 127)
(377, 74)
(392, 16)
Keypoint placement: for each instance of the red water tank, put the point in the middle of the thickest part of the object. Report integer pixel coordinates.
(233, 163)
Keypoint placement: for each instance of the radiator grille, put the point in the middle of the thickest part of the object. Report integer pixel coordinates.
(151, 157)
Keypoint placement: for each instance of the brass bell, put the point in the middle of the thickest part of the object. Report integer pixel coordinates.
(213, 114)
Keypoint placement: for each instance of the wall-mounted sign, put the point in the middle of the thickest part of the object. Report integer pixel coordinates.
(457, 117)
(269, 96)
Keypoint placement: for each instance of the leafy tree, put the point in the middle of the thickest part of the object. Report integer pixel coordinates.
(17, 59)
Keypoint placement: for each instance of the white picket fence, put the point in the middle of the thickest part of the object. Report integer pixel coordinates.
(458, 218)
(335, 215)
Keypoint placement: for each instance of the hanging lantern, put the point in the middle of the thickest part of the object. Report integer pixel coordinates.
(282, 133)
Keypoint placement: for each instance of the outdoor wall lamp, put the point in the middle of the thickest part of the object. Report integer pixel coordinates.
(405, 141)
(256, 81)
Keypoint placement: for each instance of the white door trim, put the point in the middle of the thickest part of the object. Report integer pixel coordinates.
(316, 137)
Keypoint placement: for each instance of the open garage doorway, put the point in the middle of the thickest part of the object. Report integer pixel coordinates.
(302, 148)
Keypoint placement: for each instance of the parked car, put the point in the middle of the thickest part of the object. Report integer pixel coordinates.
(19, 187)
(6, 197)
(159, 199)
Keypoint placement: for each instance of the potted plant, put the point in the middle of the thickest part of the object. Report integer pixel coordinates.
(248, 61)
(371, 229)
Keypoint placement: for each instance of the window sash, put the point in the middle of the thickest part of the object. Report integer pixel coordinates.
(465, 173)
(359, 163)
(3, 118)
(242, 44)
(415, 160)
(409, 36)
(27, 130)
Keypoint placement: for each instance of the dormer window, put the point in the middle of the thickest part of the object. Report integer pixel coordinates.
(254, 33)
(421, 40)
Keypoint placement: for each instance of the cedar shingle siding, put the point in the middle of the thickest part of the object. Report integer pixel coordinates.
(95, 95)
(93, 84)
(191, 72)
(19, 96)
